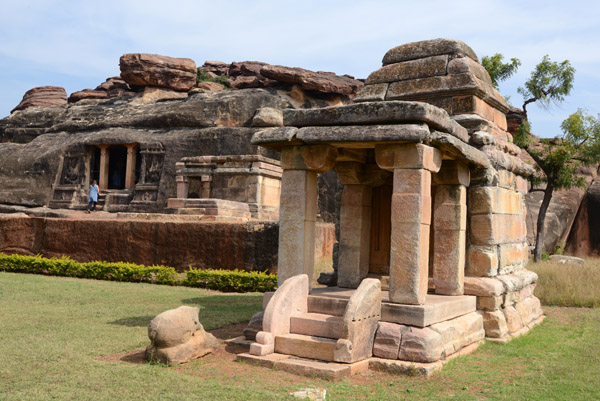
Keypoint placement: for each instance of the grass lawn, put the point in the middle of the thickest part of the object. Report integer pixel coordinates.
(53, 330)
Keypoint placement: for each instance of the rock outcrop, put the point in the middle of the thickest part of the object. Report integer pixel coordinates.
(324, 82)
(151, 69)
(177, 336)
(43, 96)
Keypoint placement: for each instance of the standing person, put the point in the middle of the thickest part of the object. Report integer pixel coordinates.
(93, 198)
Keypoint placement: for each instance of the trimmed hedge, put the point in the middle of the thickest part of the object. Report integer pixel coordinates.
(220, 280)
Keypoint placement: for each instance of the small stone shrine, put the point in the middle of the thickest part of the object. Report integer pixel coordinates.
(432, 243)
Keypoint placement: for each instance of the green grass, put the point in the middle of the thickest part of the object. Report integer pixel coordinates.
(52, 330)
(568, 285)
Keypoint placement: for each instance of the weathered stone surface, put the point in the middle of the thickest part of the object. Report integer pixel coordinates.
(326, 82)
(490, 229)
(483, 286)
(153, 94)
(42, 96)
(376, 112)
(87, 94)
(460, 332)
(306, 346)
(115, 87)
(495, 200)
(421, 345)
(267, 117)
(388, 339)
(372, 93)
(566, 260)
(482, 261)
(245, 68)
(421, 68)
(208, 86)
(218, 68)
(409, 156)
(177, 336)
(494, 323)
(316, 324)
(244, 82)
(151, 69)
(254, 326)
(428, 48)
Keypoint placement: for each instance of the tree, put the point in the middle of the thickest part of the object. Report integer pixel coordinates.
(549, 83)
(498, 70)
(559, 159)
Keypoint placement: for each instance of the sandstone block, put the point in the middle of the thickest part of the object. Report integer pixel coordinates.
(408, 156)
(494, 323)
(448, 216)
(267, 117)
(87, 94)
(316, 324)
(411, 69)
(428, 48)
(177, 336)
(522, 185)
(411, 208)
(489, 303)
(318, 158)
(491, 229)
(305, 346)
(42, 96)
(152, 94)
(289, 300)
(325, 82)
(412, 181)
(151, 69)
(472, 105)
(495, 200)
(482, 261)
(207, 86)
(484, 286)
(409, 262)
(388, 339)
(513, 319)
(513, 254)
(460, 65)
(449, 261)
(421, 345)
(460, 332)
(507, 179)
(372, 93)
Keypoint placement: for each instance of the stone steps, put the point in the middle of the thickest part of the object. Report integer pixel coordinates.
(304, 346)
(327, 305)
(317, 324)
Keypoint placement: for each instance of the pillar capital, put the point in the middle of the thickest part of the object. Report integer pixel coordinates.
(408, 156)
(360, 173)
(317, 158)
(453, 172)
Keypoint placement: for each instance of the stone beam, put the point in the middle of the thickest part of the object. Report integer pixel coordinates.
(317, 158)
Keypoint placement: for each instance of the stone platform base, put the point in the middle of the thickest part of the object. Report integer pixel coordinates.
(336, 371)
(209, 207)
(520, 332)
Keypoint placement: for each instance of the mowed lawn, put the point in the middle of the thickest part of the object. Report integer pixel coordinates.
(54, 330)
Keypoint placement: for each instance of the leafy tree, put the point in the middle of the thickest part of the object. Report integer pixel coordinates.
(498, 70)
(559, 159)
(549, 83)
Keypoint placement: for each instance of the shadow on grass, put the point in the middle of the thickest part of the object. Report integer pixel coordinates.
(134, 321)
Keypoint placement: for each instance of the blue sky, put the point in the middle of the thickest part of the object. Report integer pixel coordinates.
(77, 44)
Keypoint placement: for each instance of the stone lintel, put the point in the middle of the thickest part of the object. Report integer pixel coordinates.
(428, 48)
(385, 112)
(364, 134)
(317, 158)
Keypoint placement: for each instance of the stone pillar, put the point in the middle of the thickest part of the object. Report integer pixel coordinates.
(355, 227)
(449, 228)
(183, 186)
(412, 165)
(298, 208)
(206, 181)
(130, 168)
(103, 180)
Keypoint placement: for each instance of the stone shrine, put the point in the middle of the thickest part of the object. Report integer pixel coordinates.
(432, 231)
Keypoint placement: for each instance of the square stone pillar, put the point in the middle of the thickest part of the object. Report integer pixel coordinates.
(130, 167)
(449, 228)
(206, 181)
(297, 216)
(103, 179)
(412, 165)
(355, 227)
(183, 186)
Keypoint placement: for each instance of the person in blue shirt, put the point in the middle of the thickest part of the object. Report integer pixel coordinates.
(93, 198)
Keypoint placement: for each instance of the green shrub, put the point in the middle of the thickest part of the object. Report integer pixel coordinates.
(230, 281)
(220, 280)
(202, 76)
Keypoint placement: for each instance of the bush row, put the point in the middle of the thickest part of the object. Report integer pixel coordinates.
(220, 280)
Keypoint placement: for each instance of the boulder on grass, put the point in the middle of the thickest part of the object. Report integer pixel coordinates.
(177, 336)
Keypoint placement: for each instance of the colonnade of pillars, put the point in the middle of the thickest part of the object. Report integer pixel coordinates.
(413, 212)
(129, 169)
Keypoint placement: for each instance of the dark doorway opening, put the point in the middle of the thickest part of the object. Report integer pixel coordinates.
(117, 163)
(95, 170)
